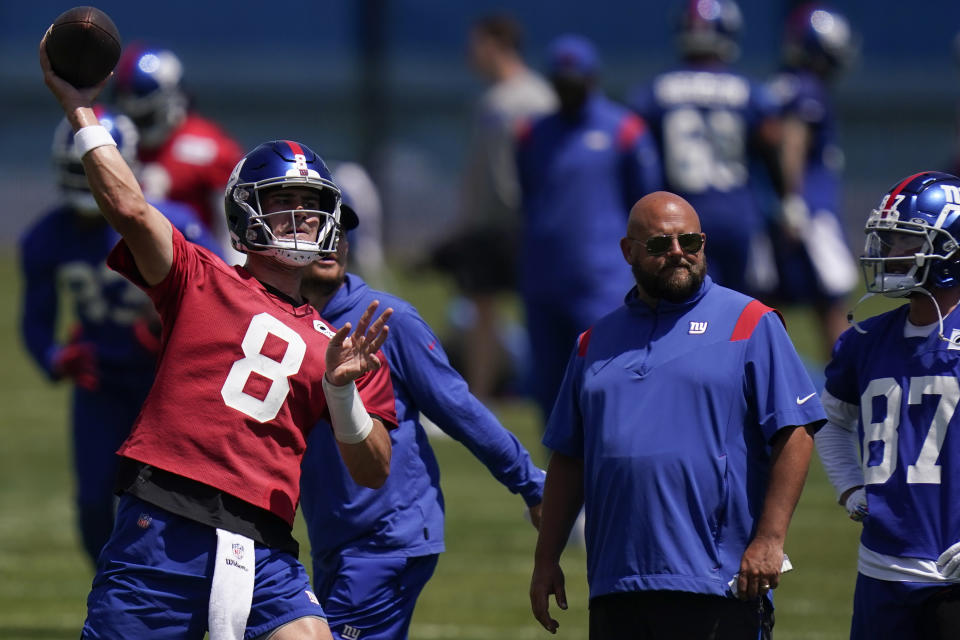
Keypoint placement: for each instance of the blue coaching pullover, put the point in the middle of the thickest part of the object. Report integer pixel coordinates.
(405, 516)
(579, 178)
(671, 410)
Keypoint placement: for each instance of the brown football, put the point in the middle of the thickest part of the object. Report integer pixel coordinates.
(83, 46)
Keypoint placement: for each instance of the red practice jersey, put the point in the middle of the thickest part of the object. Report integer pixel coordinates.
(192, 167)
(238, 383)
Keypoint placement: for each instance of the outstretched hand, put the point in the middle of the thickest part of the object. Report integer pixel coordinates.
(69, 96)
(348, 355)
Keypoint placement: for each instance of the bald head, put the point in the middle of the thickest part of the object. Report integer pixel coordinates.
(659, 213)
(672, 268)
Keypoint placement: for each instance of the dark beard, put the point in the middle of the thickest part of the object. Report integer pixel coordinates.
(312, 287)
(683, 281)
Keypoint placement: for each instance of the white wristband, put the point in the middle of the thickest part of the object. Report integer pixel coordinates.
(350, 420)
(89, 138)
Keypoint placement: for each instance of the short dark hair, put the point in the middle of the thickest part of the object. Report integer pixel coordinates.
(502, 28)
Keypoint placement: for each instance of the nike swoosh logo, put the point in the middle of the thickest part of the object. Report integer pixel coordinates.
(802, 400)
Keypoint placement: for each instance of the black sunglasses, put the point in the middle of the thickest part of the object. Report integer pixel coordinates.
(658, 245)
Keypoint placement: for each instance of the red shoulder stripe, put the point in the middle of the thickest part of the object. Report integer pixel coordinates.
(749, 318)
(583, 342)
(631, 128)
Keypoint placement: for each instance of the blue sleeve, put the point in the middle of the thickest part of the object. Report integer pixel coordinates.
(564, 430)
(419, 363)
(40, 305)
(781, 390)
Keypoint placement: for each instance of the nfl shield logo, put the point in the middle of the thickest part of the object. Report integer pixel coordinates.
(238, 551)
(954, 344)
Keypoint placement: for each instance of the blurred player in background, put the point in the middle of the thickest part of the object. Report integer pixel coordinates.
(110, 354)
(581, 169)
(815, 265)
(369, 569)
(186, 157)
(890, 446)
(368, 258)
(714, 126)
(481, 256)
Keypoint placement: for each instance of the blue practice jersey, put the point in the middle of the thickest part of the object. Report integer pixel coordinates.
(579, 178)
(672, 411)
(405, 516)
(803, 95)
(907, 390)
(703, 118)
(65, 250)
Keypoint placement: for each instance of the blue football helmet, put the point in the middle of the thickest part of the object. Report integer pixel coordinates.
(70, 174)
(819, 39)
(912, 236)
(147, 88)
(283, 163)
(710, 28)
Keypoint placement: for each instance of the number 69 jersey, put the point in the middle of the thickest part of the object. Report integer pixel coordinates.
(238, 385)
(907, 390)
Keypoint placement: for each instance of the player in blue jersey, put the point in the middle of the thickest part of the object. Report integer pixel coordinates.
(716, 130)
(814, 262)
(581, 168)
(890, 446)
(109, 355)
(370, 568)
(684, 427)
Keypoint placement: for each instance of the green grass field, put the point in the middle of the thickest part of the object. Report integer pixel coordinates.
(480, 589)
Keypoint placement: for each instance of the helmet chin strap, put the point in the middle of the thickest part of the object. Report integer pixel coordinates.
(936, 306)
(853, 323)
(939, 314)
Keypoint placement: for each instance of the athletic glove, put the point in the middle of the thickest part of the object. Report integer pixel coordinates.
(949, 563)
(77, 361)
(857, 505)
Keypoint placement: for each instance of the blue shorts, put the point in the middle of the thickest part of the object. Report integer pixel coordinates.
(371, 597)
(904, 610)
(154, 574)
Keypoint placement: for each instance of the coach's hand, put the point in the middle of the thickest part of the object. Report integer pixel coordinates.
(547, 579)
(348, 355)
(760, 567)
